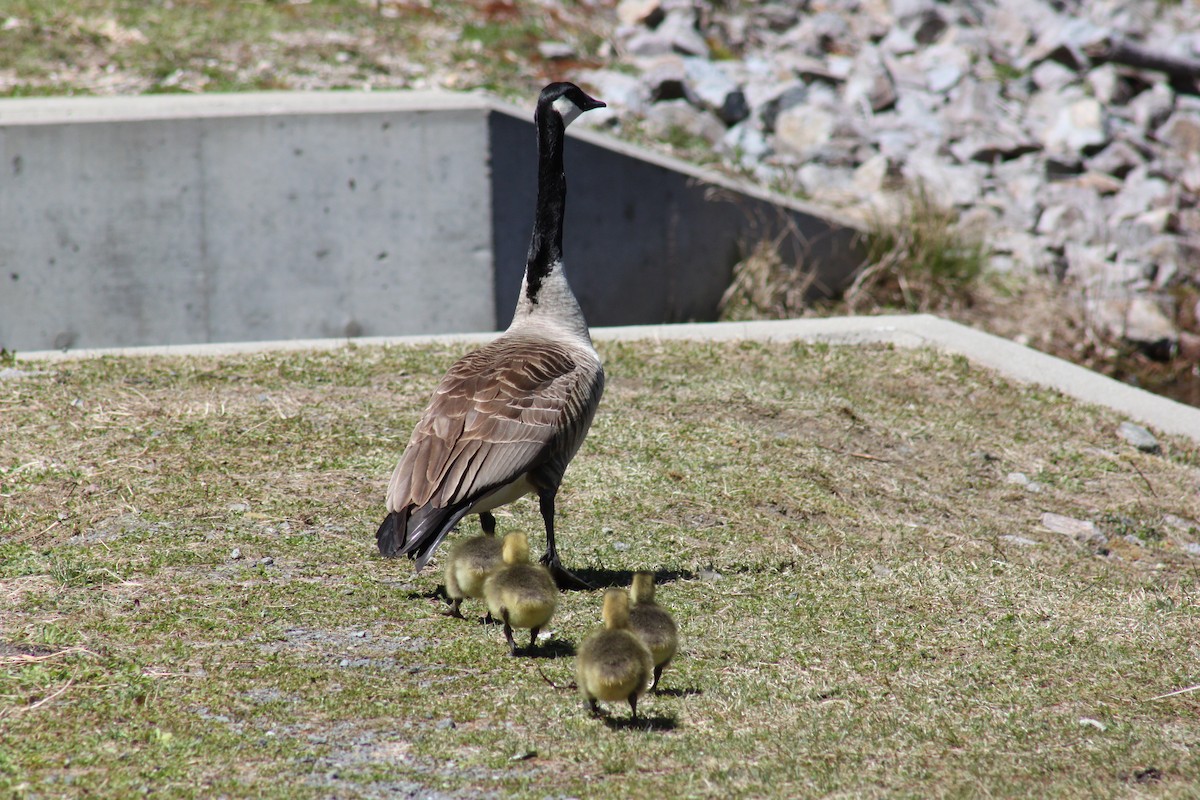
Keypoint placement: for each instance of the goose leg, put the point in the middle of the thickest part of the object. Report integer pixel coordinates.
(633, 705)
(488, 522)
(563, 578)
(657, 674)
(533, 637)
(455, 611)
(512, 645)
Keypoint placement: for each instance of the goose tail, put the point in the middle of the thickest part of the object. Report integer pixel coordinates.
(416, 533)
(392, 534)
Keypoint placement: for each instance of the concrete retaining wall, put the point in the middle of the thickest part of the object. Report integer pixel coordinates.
(211, 218)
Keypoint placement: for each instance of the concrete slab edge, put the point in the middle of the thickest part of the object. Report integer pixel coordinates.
(1008, 358)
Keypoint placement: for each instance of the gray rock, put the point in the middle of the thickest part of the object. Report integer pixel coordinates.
(711, 87)
(1052, 76)
(1082, 531)
(676, 33)
(953, 185)
(788, 95)
(898, 42)
(1140, 192)
(666, 120)
(1139, 437)
(556, 51)
(640, 12)
(804, 129)
(1118, 159)
(1151, 108)
(869, 83)
(1136, 318)
(747, 142)
(1074, 122)
(618, 89)
(1181, 132)
(665, 78)
(943, 66)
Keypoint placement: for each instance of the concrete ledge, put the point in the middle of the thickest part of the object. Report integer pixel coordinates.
(1014, 361)
(173, 219)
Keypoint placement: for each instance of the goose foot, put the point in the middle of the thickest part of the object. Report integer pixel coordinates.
(564, 579)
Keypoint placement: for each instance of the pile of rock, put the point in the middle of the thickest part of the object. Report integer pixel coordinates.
(1068, 131)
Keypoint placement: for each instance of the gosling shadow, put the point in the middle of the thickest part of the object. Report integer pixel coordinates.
(656, 724)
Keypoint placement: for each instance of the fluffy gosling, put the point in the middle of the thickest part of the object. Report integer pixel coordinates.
(471, 562)
(613, 664)
(520, 594)
(653, 624)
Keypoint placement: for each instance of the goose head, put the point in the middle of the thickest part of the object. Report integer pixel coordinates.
(566, 100)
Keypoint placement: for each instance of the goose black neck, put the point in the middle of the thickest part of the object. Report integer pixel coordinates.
(545, 247)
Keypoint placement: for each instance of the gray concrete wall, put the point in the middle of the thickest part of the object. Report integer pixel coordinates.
(212, 218)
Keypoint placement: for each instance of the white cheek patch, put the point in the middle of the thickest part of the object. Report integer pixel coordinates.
(566, 109)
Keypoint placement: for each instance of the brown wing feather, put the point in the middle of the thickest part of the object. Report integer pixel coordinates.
(492, 418)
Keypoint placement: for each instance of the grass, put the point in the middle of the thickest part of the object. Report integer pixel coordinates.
(921, 262)
(116, 46)
(869, 607)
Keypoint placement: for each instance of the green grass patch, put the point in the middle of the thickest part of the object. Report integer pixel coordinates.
(193, 605)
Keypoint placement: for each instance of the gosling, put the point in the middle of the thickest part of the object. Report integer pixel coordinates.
(470, 563)
(613, 663)
(653, 624)
(520, 594)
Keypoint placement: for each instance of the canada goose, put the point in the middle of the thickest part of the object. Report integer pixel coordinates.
(613, 663)
(507, 418)
(520, 594)
(652, 623)
(469, 564)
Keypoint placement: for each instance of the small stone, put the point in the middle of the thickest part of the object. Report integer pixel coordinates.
(620, 547)
(1082, 531)
(1076, 126)
(235, 554)
(345, 662)
(1139, 437)
(556, 51)
(1191, 548)
(446, 724)
(710, 575)
(804, 129)
(640, 12)
(1181, 132)
(267, 561)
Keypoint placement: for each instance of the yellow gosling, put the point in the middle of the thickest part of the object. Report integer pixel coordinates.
(653, 624)
(613, 664)
(471, 562)
(520, 594)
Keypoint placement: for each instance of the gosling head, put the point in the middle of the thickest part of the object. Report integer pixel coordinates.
(642, 590)
(616, 609)
(516, 548)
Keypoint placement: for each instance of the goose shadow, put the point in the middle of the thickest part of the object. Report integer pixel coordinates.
(549, 649)
(658, 724)
(601, 578)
